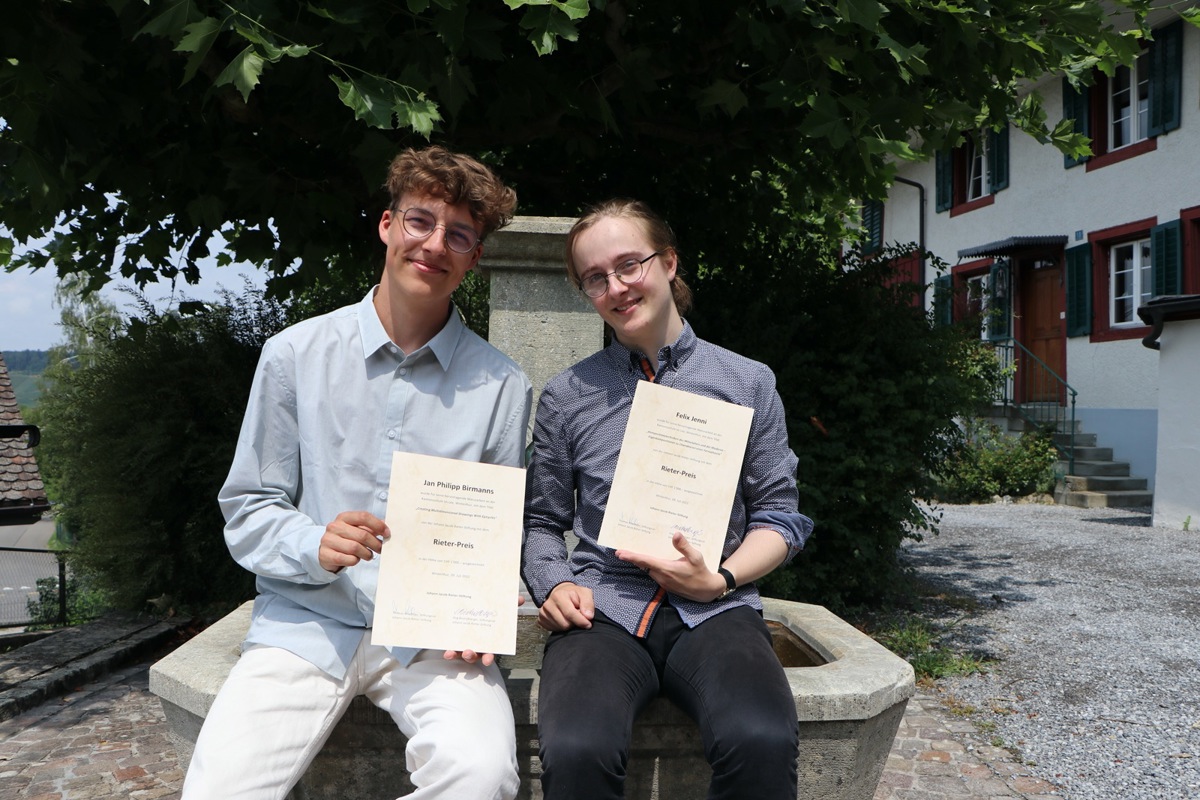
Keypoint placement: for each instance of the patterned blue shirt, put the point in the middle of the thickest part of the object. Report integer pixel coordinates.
(577, 437)
(332, 399)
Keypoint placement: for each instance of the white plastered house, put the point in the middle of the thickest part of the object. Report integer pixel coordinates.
(1063, 253)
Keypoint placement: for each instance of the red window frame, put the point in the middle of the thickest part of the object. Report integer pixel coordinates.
(1102, 242)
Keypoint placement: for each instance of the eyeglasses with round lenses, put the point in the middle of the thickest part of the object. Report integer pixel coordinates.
(420, 224)
(627, 272)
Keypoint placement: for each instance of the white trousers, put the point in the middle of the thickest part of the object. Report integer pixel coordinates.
(276, 710)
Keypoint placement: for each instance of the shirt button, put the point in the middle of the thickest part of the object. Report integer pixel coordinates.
(383, 495)
(404, 370)
(392, 433)
(392, 348)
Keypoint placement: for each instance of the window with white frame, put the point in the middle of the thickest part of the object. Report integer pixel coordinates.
(978, 302)
(971, 172)
(1129, 104)
(1131, 281)
(1124, 113)
(975, 159)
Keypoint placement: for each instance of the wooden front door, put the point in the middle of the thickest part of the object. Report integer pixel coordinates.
(1040, 326)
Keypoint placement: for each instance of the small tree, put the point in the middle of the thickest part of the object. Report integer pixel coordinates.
(139, 439)
(872, 389)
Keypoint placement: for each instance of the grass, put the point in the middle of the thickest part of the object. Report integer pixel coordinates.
(920, 643)
(918, 626)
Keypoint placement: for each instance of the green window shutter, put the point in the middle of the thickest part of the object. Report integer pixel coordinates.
(1166, 78)
(872, 222)
(944, 180)
(943, 300)
(997, 159)
(1076, 107)
(1168, 258)
(1079, 290)
(999, 301)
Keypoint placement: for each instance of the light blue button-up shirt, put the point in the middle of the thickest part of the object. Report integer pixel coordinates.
(332, 398)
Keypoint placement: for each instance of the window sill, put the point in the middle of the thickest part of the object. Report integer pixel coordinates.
(971, 205)
(1124, 154)
(1120, 334)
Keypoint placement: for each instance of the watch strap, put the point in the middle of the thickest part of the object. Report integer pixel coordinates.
(730, 581)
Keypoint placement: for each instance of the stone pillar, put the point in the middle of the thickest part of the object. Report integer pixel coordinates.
(538, 318)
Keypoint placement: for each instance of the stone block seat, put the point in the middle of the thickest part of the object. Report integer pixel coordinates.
(850, 694)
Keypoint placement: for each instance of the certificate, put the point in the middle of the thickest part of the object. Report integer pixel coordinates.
(450, 573)
(678, 470)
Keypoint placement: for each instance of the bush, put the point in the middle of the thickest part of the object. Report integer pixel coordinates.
(991, 463)
(138, 439)
(872, 389)
(84, 602)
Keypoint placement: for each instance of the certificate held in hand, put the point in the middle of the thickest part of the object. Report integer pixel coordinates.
(680, 460)
(449, 576)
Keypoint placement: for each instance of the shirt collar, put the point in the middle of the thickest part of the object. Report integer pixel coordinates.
(672, 355)
(370, 329)
(442, 345)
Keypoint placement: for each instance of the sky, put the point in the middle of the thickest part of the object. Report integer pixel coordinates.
(29, 319)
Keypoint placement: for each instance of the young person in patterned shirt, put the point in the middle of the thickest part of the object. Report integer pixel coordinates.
(626, 627)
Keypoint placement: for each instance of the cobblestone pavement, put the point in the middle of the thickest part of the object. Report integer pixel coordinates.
(940, 756)
(108, 739)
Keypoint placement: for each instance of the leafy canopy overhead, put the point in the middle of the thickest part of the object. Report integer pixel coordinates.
(133, 130)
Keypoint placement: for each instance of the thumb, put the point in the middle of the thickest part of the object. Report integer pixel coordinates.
(685, 548)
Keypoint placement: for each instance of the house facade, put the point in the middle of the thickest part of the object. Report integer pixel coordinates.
(1057, 254)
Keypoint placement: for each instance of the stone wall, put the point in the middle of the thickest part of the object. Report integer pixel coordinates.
(850, 694)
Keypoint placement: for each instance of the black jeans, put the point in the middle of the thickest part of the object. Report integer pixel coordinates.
(722, 673)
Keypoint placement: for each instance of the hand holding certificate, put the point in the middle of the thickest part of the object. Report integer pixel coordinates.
(448, 577)
(678, 470)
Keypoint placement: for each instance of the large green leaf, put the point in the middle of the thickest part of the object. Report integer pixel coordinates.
(198, 39)
(243, 72)
(546, 25)
(171, 23)
(419, 114)
(725, 95)
(371, 99)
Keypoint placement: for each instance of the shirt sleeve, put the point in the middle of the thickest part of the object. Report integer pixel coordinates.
(769, 481)
(549, 502)
(264, 531)
(512, 409)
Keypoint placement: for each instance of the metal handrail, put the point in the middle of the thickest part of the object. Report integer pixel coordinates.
(1037, 379)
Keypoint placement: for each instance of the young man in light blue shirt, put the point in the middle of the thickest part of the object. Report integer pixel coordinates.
(304, 503)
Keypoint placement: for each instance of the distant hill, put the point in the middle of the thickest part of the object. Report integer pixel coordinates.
(27, 360)
(24, 369)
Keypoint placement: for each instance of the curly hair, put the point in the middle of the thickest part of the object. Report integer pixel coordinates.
(455, 178)
(657, 231)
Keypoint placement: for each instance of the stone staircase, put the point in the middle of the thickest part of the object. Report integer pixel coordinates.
(1096, 481)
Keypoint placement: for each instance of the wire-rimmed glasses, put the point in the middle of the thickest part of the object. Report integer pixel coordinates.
(420, 224)
(627, 272)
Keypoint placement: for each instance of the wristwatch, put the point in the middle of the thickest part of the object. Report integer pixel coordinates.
(730, 582)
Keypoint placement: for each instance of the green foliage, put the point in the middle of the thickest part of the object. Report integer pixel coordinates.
(991, 463)
(920, 644)
(133, 131)
(84, 602)
(871, 389)
(137, 440)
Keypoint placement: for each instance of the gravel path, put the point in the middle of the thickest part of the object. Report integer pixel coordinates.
(1092, 618)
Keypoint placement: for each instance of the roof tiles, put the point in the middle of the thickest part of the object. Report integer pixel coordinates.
(21, 486)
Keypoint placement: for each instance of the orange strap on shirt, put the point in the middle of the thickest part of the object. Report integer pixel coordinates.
(657, 600)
